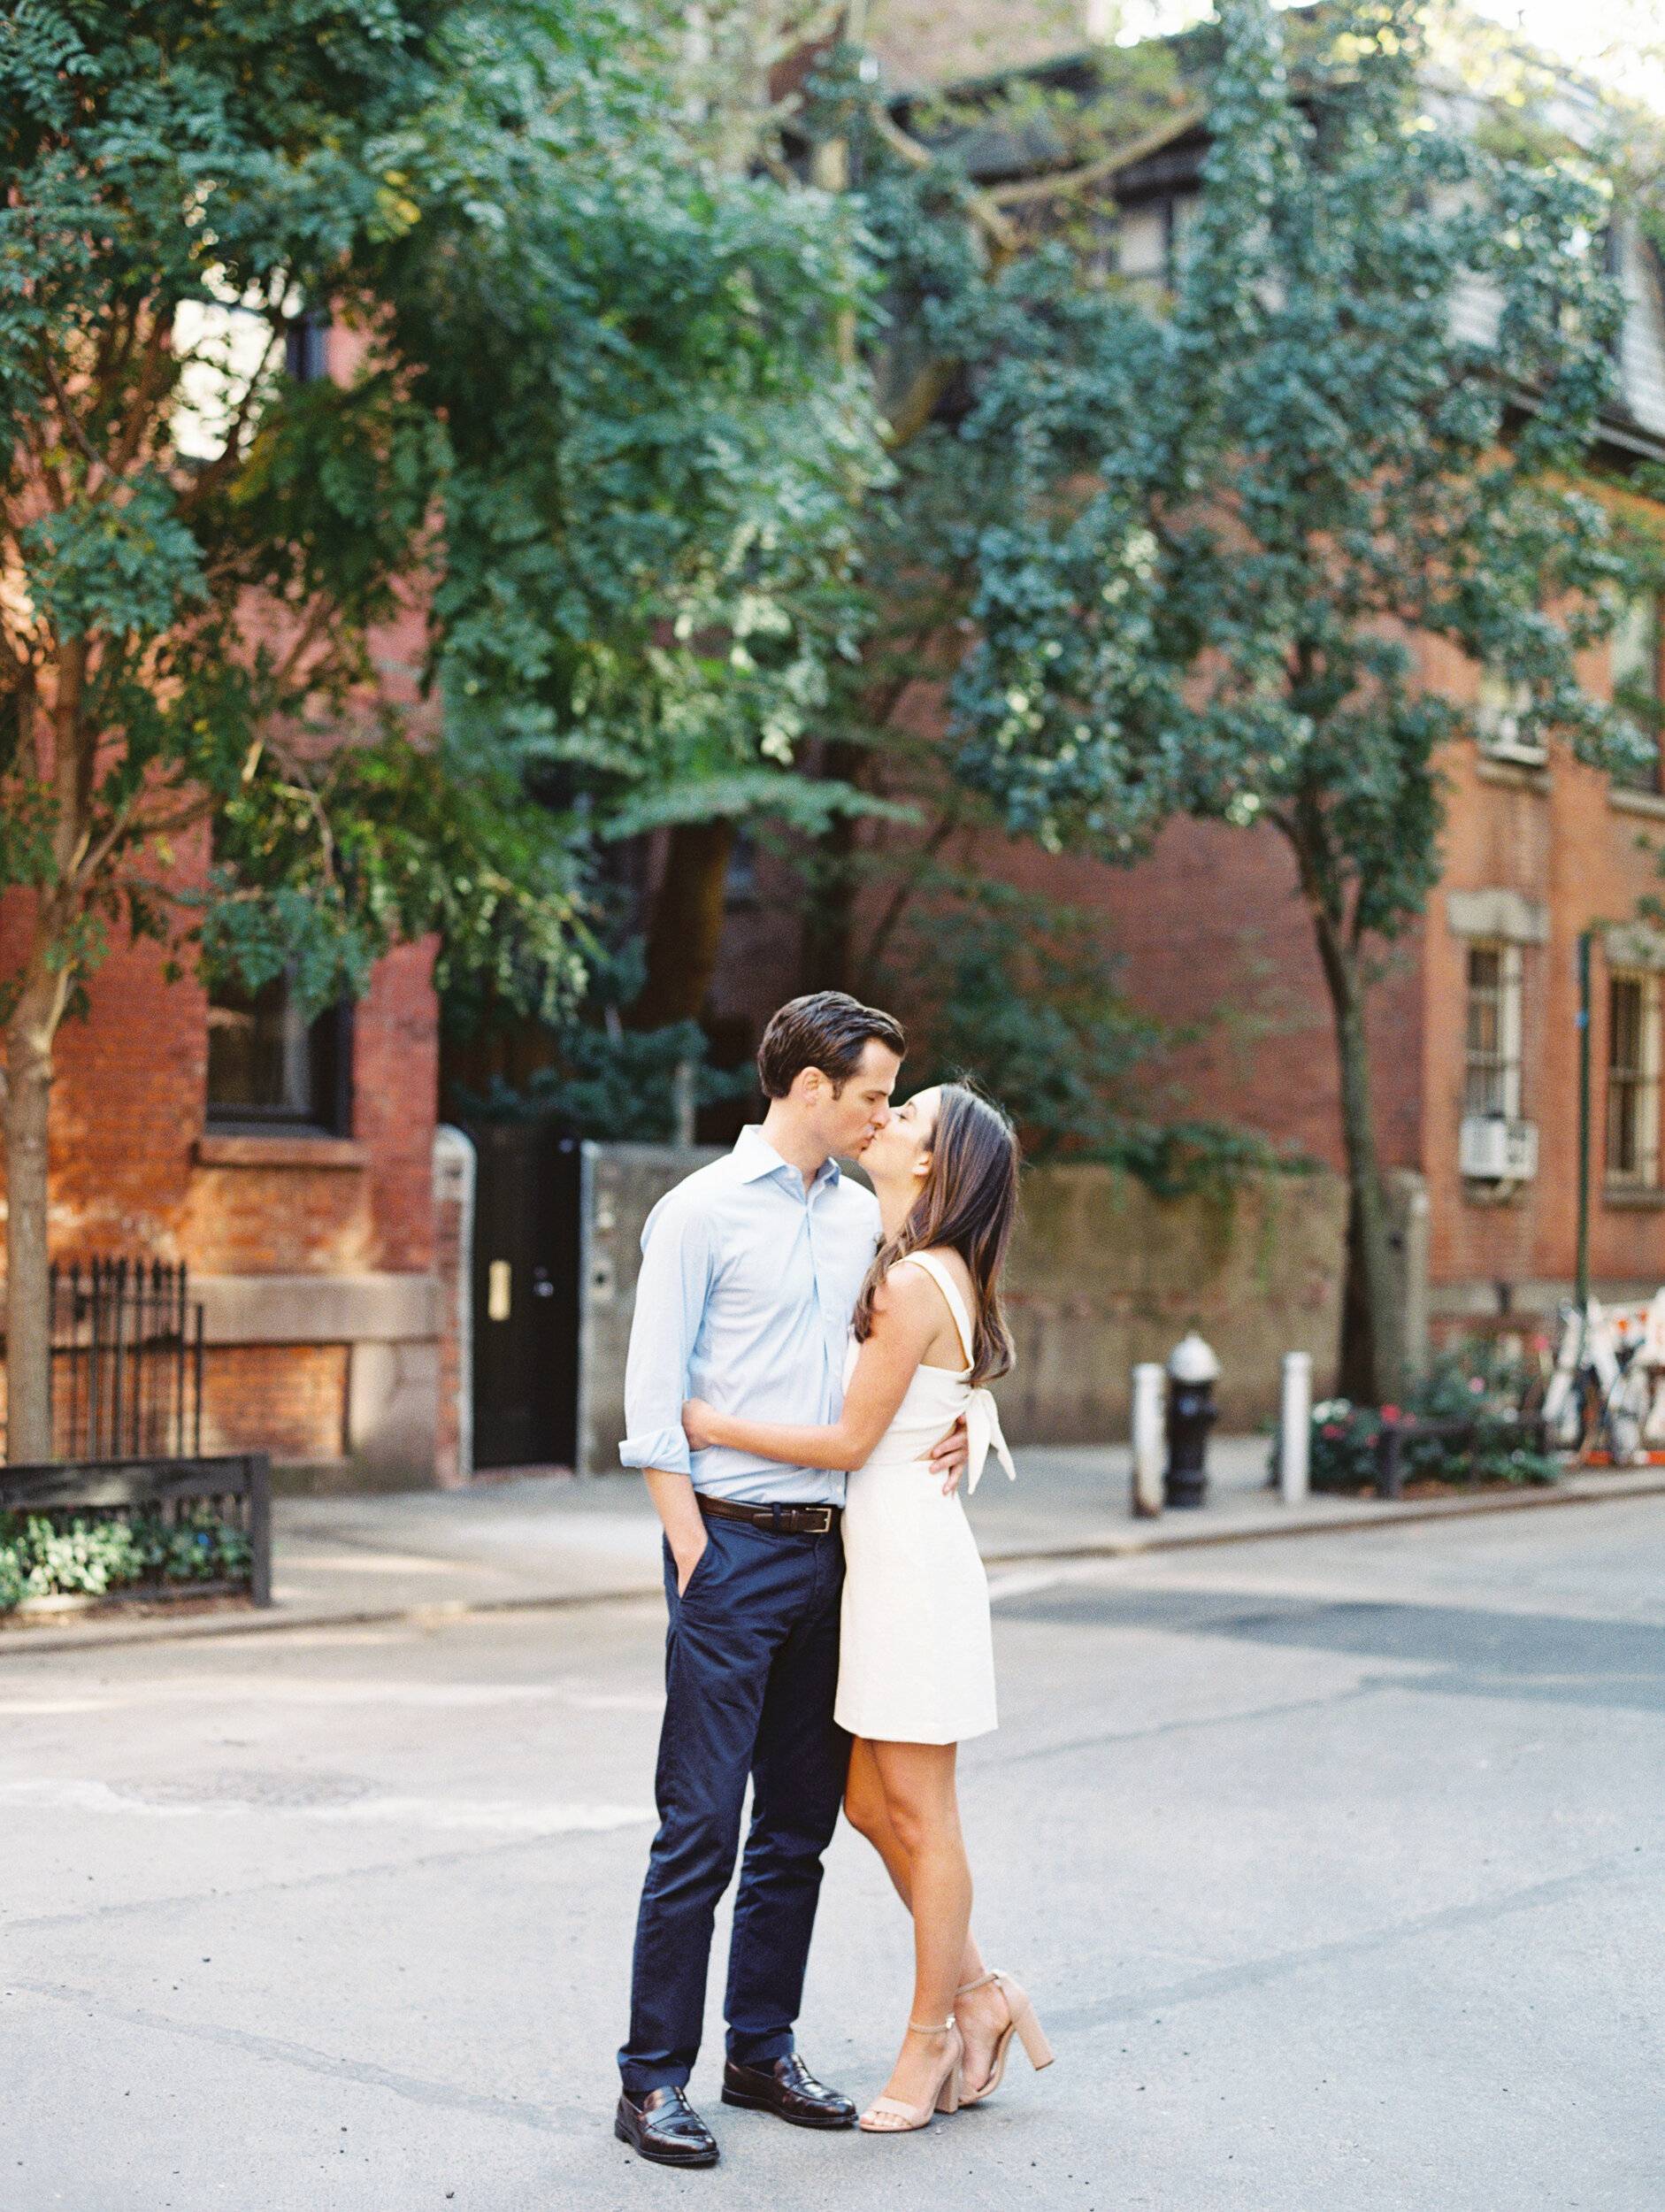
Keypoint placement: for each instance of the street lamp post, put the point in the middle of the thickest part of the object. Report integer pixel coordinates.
(1582, 1294)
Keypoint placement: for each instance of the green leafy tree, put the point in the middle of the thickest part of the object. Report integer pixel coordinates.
(1310, 461)
(658, 449)
(1015, 987)
(975, 279)
(196, 549)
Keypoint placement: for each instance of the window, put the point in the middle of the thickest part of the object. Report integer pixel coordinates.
(1634, 665)
(269, 1068)
(306, 348)
(1633, 1080)
(740, 883)
(1149, 242)
(1145, 241)
(1492, 1073)
(1500, 713)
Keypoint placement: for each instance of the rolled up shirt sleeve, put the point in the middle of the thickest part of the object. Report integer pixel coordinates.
(671, 1292)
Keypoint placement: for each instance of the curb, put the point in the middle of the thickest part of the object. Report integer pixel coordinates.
(1590, 1490)
(1374, 1514)
(273, 1620)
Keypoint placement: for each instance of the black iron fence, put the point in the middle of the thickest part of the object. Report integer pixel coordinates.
(126, 1372)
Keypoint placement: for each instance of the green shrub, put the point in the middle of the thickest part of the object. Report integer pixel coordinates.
(1476, 1382)
(82, 1560)
(91, 1556)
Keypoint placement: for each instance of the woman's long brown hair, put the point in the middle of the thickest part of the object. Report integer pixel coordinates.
(968, 1200)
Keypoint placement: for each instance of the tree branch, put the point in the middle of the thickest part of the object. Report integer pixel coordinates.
(221, 466)
(315, 622)
(34, 444)
(947, 822)
(133, 429)
(1002, 237)
(918, 403)
(72, 422)
(1066, 182)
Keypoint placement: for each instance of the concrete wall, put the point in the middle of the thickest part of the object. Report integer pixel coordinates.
(1104, 1274)
(622, 1183)
(1101, 1274)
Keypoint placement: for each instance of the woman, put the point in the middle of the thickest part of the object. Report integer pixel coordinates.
(917, 1667)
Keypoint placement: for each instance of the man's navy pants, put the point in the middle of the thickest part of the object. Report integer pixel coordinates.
(751, 1667)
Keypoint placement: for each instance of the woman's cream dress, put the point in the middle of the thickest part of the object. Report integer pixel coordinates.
(917, 1660)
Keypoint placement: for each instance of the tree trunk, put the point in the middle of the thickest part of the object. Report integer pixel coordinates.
(1369, 1358)
(29, 1036)
(828, 961)
(687, 924)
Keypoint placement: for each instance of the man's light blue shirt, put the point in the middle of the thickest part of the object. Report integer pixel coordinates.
(747, 1284)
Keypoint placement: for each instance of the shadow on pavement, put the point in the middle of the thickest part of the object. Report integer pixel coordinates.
(1478, 1654)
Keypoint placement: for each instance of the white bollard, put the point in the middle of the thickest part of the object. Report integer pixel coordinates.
(1295, 1426)
(1149, 1442)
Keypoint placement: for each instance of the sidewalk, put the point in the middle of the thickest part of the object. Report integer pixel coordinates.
(552, 1539)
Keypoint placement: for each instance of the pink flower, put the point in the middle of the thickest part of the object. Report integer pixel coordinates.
(1332, 1429)
(1390, 1413)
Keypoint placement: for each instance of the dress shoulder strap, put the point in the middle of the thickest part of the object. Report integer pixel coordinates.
(950, 1290)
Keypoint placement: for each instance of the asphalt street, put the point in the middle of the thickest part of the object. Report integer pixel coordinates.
(1334, 1866)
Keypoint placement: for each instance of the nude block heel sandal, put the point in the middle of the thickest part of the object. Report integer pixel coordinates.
(1022, 2023)
(889, 2116)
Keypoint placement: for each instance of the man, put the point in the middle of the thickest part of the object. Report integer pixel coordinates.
(750, 1270)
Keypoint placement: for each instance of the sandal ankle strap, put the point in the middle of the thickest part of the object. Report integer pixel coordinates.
(930, 2027)
(982, 1982)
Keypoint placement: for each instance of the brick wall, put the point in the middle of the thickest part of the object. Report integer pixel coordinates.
(135, 1171)
(289, 1400)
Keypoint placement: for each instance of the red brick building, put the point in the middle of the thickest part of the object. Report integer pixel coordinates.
(308, 1232)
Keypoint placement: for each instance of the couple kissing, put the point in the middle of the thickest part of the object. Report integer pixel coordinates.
(804, 1393)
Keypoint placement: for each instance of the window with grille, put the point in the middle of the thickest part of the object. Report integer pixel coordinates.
(1633, 1080)
(1492, 1073)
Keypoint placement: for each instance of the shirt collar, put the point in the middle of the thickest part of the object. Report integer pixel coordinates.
(757, 1157)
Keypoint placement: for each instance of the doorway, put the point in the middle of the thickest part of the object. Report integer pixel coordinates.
(526, 1290)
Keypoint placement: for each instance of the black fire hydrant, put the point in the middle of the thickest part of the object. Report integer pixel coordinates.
(1192, 1371)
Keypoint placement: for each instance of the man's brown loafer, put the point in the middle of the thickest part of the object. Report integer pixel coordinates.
(661, 2126)
(787, 2088)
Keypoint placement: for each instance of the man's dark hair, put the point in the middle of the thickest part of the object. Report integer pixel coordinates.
(827, 1030)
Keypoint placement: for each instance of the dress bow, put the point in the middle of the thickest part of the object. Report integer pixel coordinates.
(982, 1430)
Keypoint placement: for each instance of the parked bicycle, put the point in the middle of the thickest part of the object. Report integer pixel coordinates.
(1604, 1395)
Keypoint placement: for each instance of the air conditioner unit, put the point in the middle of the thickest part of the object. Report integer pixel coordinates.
(1493, 1150)
(1517, 753)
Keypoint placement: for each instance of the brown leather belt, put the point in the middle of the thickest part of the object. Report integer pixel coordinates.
(779, 1520)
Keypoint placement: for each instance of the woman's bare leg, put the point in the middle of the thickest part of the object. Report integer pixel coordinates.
(982, 2014)
(917, 1782)
(865, 1809)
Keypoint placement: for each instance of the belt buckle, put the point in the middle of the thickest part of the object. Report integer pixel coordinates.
(826, 1517)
